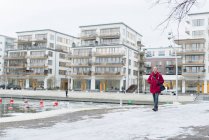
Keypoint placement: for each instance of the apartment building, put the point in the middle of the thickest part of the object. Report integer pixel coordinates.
(107, 59)
(164, 59)
(40, 59)
(194, 52)
(5, 43)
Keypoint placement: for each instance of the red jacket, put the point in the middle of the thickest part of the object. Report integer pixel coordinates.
(155, 82)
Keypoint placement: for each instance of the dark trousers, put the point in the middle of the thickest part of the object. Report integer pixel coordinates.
(155, 99)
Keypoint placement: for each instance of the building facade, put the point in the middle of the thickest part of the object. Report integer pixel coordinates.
(107, 59)
(5, 43)
(164, 59)
(194, 52)
(40, 59)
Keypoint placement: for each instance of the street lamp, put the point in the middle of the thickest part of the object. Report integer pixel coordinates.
(140, 67)
(170, 36)
(198, 84)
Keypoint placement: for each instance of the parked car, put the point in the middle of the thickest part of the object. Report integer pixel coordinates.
(2, 86)
(11, 86)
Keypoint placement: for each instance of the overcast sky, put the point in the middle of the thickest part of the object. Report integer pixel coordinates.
(67, 15)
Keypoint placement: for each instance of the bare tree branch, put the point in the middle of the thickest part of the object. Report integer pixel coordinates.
(179, 11)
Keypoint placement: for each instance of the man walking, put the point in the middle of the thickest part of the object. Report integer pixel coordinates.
(155, 80)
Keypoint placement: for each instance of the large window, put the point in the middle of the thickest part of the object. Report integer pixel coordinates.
(161, 53)
(198, 33)
(198, 22)
(41, 36)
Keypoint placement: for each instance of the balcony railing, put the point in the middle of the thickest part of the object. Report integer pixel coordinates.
(40, 39)
(15, 57)
(109, 64)
(147, 65)
(109, 54)
(193, 62)
(108, 74)
(81, 74)
(193, 73)
(86, 55)
(81, 65)
(191, 51)
(170, 73)
(169, 65)
(88, 36)
(110, 35)
(38, 56)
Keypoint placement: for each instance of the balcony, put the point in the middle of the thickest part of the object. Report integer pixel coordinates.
(82, 65)
(40, 40)
(88, 36)
(38, 66)
(81, 55)
(38, 56)
(147, 65)
(193, 74)
(14, 57)
(196, 63)
(169, 65)
(148, 72)
(109, 64)
(109, 74)
(105, 54)
(23, 41)
(81, 74)
(190, 51)
(17, 66)
(110, 35)
(170, 72)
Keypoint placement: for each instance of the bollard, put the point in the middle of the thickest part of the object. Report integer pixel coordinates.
(55, 103)
(41, 103)
(121, 102)
(11, 101)
(130, 102)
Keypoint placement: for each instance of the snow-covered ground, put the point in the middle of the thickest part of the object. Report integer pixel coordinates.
(135, 123)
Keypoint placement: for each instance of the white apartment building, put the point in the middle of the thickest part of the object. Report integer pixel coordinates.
(194, 52)
(40, 59)
(107, 58)
(164, 59)
(5, 42)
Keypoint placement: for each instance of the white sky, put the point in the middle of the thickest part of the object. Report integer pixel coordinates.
(67, 15)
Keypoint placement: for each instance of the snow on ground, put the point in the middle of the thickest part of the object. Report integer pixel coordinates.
(135, 123)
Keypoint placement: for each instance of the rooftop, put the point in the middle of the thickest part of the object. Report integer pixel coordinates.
(111, 24)
(46, 30)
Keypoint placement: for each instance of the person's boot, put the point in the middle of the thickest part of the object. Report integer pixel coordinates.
(154, 109)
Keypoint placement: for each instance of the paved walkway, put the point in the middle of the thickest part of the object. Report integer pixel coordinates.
(128, 98)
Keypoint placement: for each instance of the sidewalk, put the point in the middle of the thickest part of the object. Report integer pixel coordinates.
(128, 98)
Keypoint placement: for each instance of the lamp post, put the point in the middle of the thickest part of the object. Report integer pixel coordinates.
(170, 36)
(140, 67)
(198, 84)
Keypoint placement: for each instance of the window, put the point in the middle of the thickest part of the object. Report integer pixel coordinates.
(129, 62)
(49, 62)
(62, 56)
(129, 71)
(50, 53)
(161, 53)
(198, 33)
(51, 45)
(198, 22)
(51, 37)
(41, 36)
(50, 71)
(149, 54)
